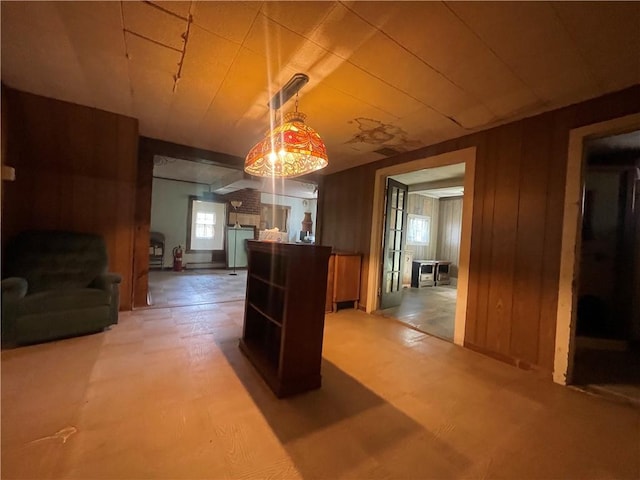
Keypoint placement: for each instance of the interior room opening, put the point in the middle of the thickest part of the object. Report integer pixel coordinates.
(607, 332)
(421, 254)
(201, 217)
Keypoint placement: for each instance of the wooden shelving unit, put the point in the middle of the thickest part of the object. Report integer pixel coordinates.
(284, 314)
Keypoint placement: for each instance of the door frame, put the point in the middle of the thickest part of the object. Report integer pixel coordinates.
(571, 243)
(466, 156)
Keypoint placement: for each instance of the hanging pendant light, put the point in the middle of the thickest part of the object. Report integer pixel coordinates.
(289, 150)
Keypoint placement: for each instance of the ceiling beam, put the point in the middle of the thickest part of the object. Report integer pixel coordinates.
(184, 152)
(228, 179)
(446, 183)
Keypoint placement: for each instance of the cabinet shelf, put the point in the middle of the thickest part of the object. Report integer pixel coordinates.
(265, 314)
(267, 281)
(284, 314)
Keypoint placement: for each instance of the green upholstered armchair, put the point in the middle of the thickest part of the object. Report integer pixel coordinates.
(57, 286)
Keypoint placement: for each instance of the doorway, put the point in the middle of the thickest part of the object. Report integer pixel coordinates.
(598, 323)
(422, 248)
(377, 281)
(192, 206)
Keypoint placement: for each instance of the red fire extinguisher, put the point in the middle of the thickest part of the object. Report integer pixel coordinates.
(177, 259)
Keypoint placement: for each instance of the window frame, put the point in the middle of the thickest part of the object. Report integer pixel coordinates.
(270, 207)
(219, 222)
(410, 219)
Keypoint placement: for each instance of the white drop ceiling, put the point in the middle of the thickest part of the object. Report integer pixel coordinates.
(394, 75)
(437, 182)
(223, 180)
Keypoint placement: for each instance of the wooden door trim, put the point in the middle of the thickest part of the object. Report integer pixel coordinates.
(466, 156)
(570, 249)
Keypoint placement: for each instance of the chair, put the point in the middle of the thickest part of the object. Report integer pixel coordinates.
(57, 287)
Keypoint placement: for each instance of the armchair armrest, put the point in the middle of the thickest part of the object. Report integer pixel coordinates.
(13, 288)
(110, 282)
(105, 281)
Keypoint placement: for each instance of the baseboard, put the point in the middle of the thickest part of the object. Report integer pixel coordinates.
(198, 265)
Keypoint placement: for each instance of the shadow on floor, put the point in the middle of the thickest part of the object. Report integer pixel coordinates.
(341, 420)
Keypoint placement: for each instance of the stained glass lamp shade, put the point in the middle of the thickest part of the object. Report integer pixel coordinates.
(289, 150)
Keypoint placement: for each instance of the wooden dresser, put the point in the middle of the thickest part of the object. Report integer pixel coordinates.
(343, 280)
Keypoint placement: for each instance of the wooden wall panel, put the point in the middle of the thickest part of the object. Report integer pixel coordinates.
(449, 229)
(76, 170)
(348, 215)
(516, 226)
(504, 226)
(527, 288)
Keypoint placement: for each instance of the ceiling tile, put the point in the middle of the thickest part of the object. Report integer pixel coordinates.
(53, 68)
(462, 57)
(529, 38)
(354, 81)
(342, 32)
(208, 57)
(607, 35)
(105, 14)
(143, 53)
(301, 17)
(404, 71)
(181, 8)
(230, 20)
(152, 23)
(279, 48)
(152, 92)
(107, 78)
(88, 34)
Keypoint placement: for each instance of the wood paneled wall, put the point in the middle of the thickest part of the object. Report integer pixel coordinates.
(75, 170)
(449, 229)
(516, 228)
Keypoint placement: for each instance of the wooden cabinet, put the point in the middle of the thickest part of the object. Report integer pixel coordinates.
(284, 314)
(343, 280)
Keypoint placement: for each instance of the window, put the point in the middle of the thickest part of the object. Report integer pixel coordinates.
(418, 229)
(274, 216)
(205, 225)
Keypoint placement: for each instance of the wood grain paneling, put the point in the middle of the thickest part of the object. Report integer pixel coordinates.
(427, 206)
(527, 286)
(503, 236)
(346, 223)
(516, 227)
(76, 170)
(449, 229)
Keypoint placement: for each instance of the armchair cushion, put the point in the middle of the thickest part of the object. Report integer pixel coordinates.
(58, 286)
(60, 300)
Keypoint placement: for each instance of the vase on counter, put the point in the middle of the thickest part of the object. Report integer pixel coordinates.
(307, 223)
